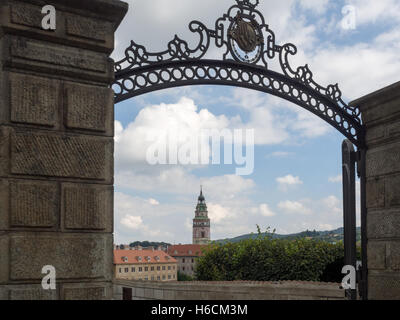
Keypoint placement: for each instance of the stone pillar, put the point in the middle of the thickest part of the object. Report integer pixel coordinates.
(381, 116)
(56, 148)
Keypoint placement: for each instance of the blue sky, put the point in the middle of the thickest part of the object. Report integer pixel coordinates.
(296, 181)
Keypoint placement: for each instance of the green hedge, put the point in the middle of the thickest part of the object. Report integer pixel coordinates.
(266, 259)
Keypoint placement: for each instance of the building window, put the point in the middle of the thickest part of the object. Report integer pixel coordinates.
(163, 277)
(169, 267)
(133, 269)
(183, 260)
(152, 278)
(192, 260)
(163, 267)
(140, 269)
(158, 268)
(183, 268)
(152, 268)
(146, 278)
(120, 270)
(127, 270)
(158, 277)
(146, 268)
(203, 235)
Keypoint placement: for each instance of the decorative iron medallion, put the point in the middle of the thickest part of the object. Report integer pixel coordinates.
(246, 39)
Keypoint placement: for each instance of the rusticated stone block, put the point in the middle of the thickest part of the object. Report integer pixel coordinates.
(87, 207)
(34, 100)
(58, 56)
(375, 193)
(33, 204)
(89, 107)
(376, 255)
(27, 15)
(394, 129)
(25, 292)
(46, 154)
(383, 286)
(383, 160)
(86, 291)
(88, 28)
(375, 133)
(393, 190)
(76, 256)
(4, 149)
(4, 258)
(4, 205)
(393, 255)
(3, 293)
(383, 225)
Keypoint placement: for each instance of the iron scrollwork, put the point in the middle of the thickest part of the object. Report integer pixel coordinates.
(248, 44)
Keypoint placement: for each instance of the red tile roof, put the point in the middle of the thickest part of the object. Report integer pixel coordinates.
(141, 256)
(186, 250)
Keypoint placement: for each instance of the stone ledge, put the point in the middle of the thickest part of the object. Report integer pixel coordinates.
(46, 57)
(27, 292)
(110, 10)
(378, 97)
(82, 291)
(76, 29)
(232, 290)
(379, 106)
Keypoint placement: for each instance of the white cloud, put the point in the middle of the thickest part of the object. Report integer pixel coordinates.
(332, 205)
(153, 202)
(288, 181)
(132, 222)
(177, 180)
(371, 11)
(294, 207)
(375, 64)
(280, 154)
(174, 124)
(217, 213)
(266, 211)
(317, 6)
(336, 179)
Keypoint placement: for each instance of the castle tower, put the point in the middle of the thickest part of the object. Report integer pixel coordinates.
(201, 222)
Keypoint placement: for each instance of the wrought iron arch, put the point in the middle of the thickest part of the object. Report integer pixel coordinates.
(249, 46)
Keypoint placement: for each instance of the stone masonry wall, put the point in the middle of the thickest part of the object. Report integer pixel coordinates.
(236, 290)
(56, 148)
(381, 115)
